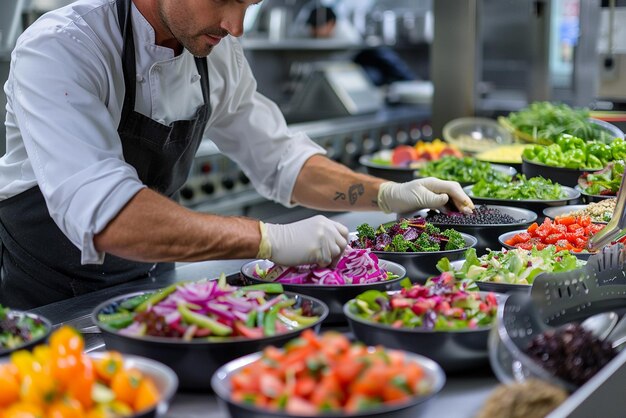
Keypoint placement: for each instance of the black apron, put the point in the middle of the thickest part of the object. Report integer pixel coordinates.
(39, 264)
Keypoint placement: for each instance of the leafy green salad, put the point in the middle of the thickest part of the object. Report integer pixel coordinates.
(520, 188)
(605, 182)
(543, 122)
(463, 170)
(516, 266)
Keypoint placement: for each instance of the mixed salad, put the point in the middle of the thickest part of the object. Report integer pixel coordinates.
(605, 182)
(408, 235)
(569, 233)
(440, 305)
(516, 266)
(328, 374)
(543, 122)
(60, 381)
(520, 188)
(463, 170)
(572, 152)
(416, 155)
(17, 328)
(209, 309)
(356, 266)
(601, 211)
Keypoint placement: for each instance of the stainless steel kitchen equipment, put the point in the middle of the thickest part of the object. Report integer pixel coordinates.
(616, 226)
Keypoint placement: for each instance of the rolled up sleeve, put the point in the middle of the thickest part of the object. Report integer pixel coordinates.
(251, 130)
(59, 90)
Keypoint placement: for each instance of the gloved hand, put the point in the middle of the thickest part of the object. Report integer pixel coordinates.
(428, 192)
(316, 240)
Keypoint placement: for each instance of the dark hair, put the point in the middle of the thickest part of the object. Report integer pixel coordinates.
(320, 16)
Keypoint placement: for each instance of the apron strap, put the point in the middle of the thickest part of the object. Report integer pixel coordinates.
(124, 15)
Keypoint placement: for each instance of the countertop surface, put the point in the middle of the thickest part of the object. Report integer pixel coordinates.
(462, 395)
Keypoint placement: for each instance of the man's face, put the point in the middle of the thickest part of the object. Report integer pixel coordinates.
(199, 25)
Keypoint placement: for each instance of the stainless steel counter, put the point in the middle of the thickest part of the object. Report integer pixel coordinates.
(461, 397)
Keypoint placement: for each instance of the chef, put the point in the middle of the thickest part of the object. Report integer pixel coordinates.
(107, 103)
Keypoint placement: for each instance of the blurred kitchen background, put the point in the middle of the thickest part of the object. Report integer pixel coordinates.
(395, 71)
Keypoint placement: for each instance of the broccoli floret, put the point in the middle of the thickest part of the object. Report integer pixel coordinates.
(455, 239)
(365, 231)
(424, 243)
(431, 229)
(399, 244)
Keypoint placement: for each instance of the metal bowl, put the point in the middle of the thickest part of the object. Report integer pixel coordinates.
(500, 168)
(562, 175)
(162, 376)
(486, 234)
(221, 385)
(333, 296)
(422, 265)
(553, 212)
(453, 350)
(583, 255)
(195, 361)
(589, 198)
(535, 205)
(33, 342)
(387, 172)
(495, 286)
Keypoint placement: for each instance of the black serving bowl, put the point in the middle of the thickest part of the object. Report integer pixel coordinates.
(387, 172)
(536, 206)
(562, 175)
(564, 210)
(500, 168)
(589, 198)
(195, 361)
(422, 265)
(583, 255)
(454, 351)
(487, 234)
(221, 386)
(334, 295)
(28, 345)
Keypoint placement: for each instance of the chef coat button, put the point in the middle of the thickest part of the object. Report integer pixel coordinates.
(195, 78)
(140, 78)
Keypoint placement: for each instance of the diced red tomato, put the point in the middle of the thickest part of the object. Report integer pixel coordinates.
(403, 155)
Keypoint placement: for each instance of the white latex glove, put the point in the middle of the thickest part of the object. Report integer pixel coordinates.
(316, 240)
(423, 193)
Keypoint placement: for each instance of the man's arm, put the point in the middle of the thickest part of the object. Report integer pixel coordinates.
(326, 185)
(153, 228)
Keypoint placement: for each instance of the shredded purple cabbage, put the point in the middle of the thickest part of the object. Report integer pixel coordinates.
(356, 266)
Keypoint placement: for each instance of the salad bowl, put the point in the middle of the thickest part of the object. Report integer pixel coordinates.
(227, 384)
(571, 196)
(562, 175)
(195, 359)
(600, 217)
(387, 171)
(21, 330)
(333, 295)
(582, 255)
(498, 169)
(486, 234)
(590, 198)
(509, 271)
(422, 264)
(461, 347)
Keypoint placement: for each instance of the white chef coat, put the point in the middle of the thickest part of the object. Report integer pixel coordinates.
(64, 101)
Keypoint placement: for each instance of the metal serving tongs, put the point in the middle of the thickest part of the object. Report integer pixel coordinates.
(616, 227)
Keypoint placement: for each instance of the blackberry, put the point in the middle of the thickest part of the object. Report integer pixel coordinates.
(571, 353)
(482, 215)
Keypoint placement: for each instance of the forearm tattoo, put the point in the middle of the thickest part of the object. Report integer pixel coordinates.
(354, 192)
